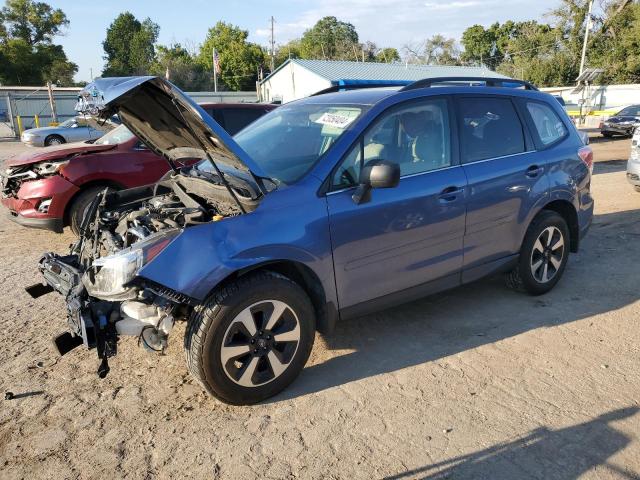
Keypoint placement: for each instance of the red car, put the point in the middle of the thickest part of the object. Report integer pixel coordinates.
(50, 188)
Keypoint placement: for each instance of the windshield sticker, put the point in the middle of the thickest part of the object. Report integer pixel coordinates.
(335, 120)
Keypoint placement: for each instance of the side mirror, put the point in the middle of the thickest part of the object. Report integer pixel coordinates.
(377, 174)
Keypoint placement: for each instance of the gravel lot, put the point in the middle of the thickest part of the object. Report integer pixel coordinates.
(476, 383)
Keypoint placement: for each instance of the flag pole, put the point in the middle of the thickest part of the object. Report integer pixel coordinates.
(215, 72)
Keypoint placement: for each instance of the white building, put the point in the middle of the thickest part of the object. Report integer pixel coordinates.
(300, 78)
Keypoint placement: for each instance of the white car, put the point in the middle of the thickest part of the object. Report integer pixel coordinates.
(72, 130)
(633, 165)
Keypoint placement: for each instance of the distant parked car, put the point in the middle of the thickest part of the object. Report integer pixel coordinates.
(633, 165)
(72, 130)
(233, 117)
(51, 188)
(622, 123)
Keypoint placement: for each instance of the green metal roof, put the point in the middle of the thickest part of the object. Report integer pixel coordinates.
(335, 71)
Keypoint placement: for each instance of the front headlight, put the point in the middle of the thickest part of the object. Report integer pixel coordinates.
(49, 168)
(109, 277)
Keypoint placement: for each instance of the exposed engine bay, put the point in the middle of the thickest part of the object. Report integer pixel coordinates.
(121, 233)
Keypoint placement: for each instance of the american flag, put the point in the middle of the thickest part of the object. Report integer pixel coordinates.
(216, 61)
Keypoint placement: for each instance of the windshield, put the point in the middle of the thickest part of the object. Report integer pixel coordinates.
(287, 142)
(68, 123)
(630, 111)
(116, 136)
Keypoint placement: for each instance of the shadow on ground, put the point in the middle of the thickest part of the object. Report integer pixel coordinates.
(563, 454)
(477, 314)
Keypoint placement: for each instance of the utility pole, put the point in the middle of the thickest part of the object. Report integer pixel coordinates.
(52, 103)
(586, 37)
(273, 47)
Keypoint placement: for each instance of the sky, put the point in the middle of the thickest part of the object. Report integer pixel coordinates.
(388, 23)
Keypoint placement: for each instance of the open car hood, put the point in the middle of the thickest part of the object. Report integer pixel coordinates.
(166, 120)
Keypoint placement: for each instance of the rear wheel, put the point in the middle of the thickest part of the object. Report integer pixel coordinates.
(53, 140)
(251, 339)
(543, 256)
(79, 206)
(607, 135)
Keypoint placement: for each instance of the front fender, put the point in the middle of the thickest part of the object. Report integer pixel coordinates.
(203, 256)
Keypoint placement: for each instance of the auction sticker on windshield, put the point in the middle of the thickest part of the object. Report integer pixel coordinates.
(338, 120)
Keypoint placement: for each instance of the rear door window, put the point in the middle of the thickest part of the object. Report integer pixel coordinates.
(549, 126)
(235, 119)
(489, 128)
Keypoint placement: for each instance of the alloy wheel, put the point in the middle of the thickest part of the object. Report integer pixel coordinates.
(260, 343)
(547, 254)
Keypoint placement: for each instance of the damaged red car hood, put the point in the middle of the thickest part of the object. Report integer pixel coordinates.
(54, 153)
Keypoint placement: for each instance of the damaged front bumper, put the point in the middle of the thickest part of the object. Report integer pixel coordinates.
(97, 323)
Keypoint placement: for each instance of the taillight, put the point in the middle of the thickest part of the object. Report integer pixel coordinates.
(586, 155)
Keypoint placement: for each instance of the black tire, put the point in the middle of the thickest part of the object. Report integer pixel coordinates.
(211, 322)
(637, 188)
(607, 135)
(79, 206)
(54, 140)
(522, 277)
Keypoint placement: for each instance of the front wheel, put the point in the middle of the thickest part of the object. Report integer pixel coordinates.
(250, 339)
(53, 140)
(543, 256)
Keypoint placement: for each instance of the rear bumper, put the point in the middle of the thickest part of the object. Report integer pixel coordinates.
(633, 167)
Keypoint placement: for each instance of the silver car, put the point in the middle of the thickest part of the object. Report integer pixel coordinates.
(72, 130)
(633, 165)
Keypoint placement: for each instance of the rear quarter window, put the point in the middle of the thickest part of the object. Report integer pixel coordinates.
(548, 125)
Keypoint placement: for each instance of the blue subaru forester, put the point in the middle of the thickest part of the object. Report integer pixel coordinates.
(326, 208)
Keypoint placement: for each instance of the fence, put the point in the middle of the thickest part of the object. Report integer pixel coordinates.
(22, 108)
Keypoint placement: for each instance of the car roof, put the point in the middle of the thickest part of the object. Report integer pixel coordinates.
(220, 106)
(365, 96)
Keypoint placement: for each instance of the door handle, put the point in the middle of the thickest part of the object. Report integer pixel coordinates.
(450, 194)
(534, 170)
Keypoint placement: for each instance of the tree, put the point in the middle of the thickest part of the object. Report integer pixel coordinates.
(387, 55)
(291, 49)
(615, 46)
(239, 59)
(330, 39)
(182, 67)
(437, 50)
(27, 54)
(129, 46)
(34, 22)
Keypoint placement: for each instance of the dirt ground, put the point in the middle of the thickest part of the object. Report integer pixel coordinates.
(476, 383)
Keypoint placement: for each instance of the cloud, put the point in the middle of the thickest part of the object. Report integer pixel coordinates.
(398, 22)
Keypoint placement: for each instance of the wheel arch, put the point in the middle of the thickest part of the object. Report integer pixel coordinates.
(566, 210)
(326, 312)
(83, 188)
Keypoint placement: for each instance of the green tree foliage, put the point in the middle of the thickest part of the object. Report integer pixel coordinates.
(437, 50)
(387, 55)
(240, 60)
(616, 45)
(129, 46)
(27, 54)
(182, 67)
(291, 49)
(330, 39)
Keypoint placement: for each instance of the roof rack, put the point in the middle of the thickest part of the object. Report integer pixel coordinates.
(488, 81)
